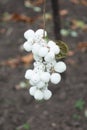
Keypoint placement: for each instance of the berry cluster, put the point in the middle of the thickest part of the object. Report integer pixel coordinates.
(46, 68)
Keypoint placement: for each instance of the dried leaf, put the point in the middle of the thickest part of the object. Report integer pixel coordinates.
(77, 24)
(37, 2)
(26, 60)
(63, 50)
(63, 12)
(17, 17)
(6, 17)
(11, 62)
(23, 18)
(82, 46)
(84, 2)
(81, 2)
(84, 28)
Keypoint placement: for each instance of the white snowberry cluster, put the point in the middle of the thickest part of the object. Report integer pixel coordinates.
(46, 68)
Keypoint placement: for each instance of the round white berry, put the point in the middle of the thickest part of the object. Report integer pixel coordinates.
(28, 74)
(41, 84)
(27, 46)
(40, 32)
(32, 90)
(45, 76)
(60, 67)
(55, 78)
(35, 49)
(35, 78)
(29, 34)
(51, 44)
(49, 57)
(47, 94)
(55, 49)
(43, 51)
(37, 58)
(31, 82)
(39, 68)
(38, 95)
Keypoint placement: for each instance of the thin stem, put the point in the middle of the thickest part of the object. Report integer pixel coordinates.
(56, 19)
(44, 19)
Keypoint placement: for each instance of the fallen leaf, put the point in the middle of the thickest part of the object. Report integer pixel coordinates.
(37, 2)
(82, 46)
(63, 12)
(23, 18)
(6, 17)
(17, 17)
(77, 24)
(26, 60)
(81, 2)
(84, 28)
(11, 62)
(84, 2)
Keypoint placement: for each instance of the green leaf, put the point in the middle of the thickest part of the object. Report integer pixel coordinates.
(80, 24)
(64, 32)
(63, 50)
(26, 126)
(79, 104)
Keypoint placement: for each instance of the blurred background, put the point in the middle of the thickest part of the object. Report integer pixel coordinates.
(67, 109)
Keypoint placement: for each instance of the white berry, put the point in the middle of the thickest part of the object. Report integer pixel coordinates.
(45, 76)
(46, 68)
(40, 32)
(60, 67)
(27, 46)
(32, 90)
(43, 51)
(47, 94)
(41, 84)
(35, 49)
(38, 95)
(55, 78)
(29, 34)
(29, 74)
